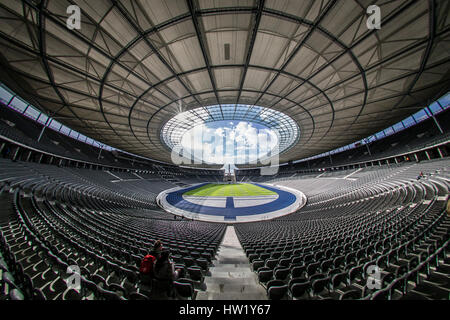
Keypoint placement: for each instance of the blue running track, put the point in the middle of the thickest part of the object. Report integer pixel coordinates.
(284, 200)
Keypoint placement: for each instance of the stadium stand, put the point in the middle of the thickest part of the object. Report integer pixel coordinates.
(387, 219)
(104, 218)
(61, 217)
(426, 144)
(105, 221)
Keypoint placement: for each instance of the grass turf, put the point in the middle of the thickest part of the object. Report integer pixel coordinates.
(229, 190)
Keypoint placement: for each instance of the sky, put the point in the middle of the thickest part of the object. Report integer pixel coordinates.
(206, 141)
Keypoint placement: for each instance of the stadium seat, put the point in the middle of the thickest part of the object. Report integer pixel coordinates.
(137, 296)
(265, 275)
(184, 289)
(56, 217)
(72, 295)
(277, 292)
(300, 290)
(195, 273)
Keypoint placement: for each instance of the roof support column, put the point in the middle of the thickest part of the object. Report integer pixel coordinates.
(435, 120)
(29, 156)
(41, 134)
(16, 153)
(43, 129)
(440, 152)
(368, 149)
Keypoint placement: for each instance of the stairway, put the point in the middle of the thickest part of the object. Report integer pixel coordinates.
(231, 277)
(171, 179)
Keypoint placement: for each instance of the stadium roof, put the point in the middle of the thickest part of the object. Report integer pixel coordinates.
(134, 65)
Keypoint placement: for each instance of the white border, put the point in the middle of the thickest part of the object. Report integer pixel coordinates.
(299, 203)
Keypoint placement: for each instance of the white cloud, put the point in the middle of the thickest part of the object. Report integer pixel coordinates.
(242, 140)
(219, 132)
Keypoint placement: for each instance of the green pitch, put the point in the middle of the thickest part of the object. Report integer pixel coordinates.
(229, 190)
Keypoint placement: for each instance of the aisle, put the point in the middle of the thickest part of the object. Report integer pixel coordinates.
(231, 277)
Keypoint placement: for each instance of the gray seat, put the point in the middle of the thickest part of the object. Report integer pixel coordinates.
(277, 292)
(184, 289)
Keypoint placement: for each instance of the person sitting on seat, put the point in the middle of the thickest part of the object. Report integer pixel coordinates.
(146, 272)
(157, 248)
(148, 262)
(165, 268)
(165, 272)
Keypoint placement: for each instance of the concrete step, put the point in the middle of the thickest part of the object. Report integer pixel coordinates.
(231, 296)
(231, 277)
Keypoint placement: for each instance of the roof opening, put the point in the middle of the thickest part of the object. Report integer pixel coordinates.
(230, 134)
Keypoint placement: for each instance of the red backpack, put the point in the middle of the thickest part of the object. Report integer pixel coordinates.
(147, 265)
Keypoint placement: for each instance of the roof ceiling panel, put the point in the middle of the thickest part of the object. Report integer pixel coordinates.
(216, 46)
(207, 4)
(141, 62)
(118, 27)
(227, 78)
(344, 14)
(257, 79)
(230, 22)
(199, 81)
(160, 11)
(300, 9)
(269, 50)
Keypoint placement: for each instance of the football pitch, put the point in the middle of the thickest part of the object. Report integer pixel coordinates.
(229, 190)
